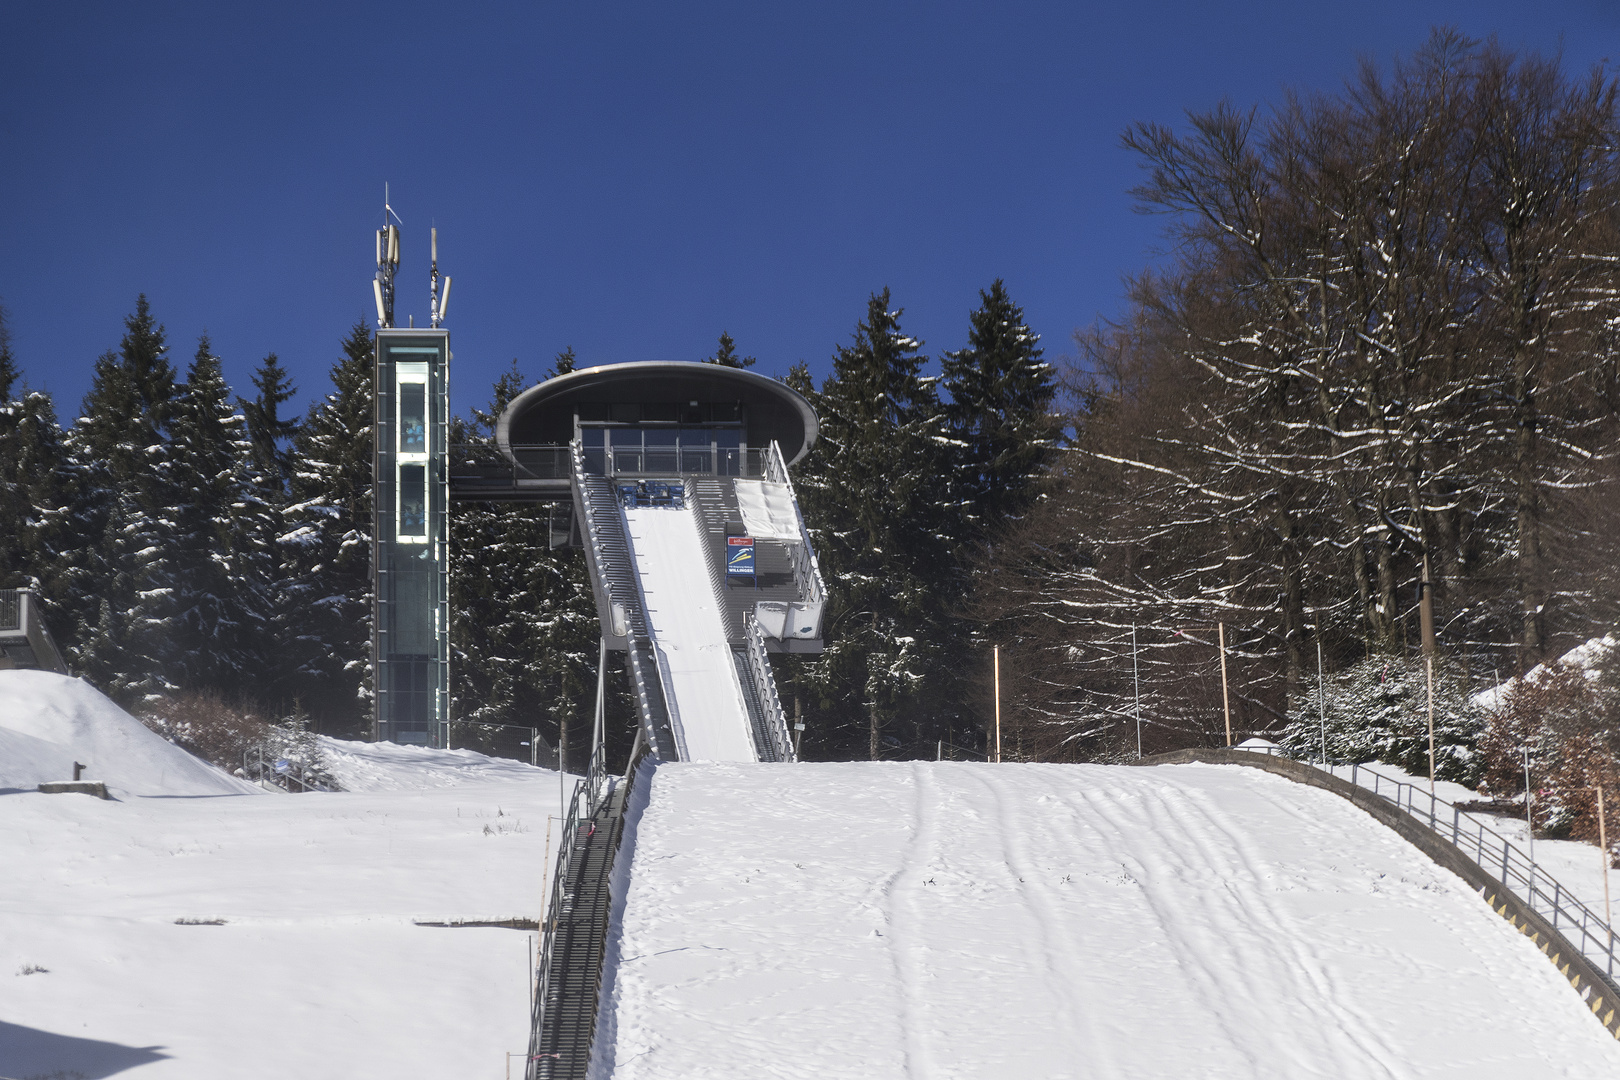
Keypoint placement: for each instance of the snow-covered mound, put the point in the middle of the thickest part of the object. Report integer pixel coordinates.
(361, 766)
(49, 721)
(1589, 656)
(969, 920)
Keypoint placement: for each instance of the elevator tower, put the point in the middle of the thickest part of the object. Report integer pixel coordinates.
(410, 515)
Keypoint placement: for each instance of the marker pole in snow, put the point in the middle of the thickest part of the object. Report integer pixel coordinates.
(998, 702)
(1226, 700)
(1321, 696)
(601, 699)
(1603, 842)
(1136, 679)
(1529, 825)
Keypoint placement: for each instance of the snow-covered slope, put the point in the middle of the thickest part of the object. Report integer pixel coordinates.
(266, 938)
(359, 766)
(49, 721)
(684, 618)
(963, 920)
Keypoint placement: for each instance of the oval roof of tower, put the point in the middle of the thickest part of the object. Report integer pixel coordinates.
(659, 392)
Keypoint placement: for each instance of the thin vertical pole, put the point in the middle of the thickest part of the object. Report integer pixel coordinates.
(798, 727)
(1426, 622)
(1136, 678)
(1603, 842)
(1226, 700)
(1529, 823)
(601, 699)
(1428, 668)
(998, 702)
(1321, 696)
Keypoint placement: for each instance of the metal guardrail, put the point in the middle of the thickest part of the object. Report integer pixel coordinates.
(476, 464)
(765, 683)
(282, 772)
(802, 556)
(625, 594)
(10, 609)
(588, 793)
(633, 463)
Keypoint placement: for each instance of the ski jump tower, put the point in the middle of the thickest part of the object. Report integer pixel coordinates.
(673, 478)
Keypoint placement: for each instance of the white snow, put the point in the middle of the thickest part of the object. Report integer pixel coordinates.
(49, 721)
(1577, 867)
(317, 970)
(969, 920)
(684, 618)
(192, 937)
(360, 766)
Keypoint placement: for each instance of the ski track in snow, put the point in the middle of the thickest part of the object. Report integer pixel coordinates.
(946, 921)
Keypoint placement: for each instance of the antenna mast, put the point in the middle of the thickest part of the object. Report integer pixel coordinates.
(382, 286)
(437, 302)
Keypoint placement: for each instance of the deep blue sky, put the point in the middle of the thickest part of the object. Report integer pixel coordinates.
(626, 178)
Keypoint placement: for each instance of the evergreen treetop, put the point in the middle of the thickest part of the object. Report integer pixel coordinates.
(269, 434)
(726, 354)
(1000, 413)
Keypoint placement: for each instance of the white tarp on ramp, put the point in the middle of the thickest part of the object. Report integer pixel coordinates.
(683, 615)
(767, 509)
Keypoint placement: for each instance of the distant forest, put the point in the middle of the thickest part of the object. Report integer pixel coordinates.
(1387, 330)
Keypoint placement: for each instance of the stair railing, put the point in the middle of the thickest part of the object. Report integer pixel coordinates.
(759, 666)
(620, 592)
(590, 793)
(802, 555)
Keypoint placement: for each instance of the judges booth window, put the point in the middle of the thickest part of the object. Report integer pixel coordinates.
(697, 446)
(727, 450)
(660, 450)
(592, 442)
(413, 503)
(626, 449)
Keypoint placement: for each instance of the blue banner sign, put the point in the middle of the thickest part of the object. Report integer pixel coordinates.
(740, 555)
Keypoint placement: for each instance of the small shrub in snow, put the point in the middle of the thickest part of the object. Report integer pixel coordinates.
(1568, 716)
(1378, 710)
(207, 724)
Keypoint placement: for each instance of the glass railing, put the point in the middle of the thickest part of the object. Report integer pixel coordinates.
(474, 466)
(669, 461)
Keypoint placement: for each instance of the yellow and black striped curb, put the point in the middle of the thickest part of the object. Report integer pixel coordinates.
(1582, 974)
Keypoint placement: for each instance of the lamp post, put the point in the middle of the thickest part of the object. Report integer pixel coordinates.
(1426, 621)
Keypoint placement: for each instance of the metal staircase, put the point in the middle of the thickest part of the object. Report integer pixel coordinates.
(608, 552)
(569, 975)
